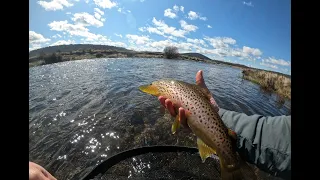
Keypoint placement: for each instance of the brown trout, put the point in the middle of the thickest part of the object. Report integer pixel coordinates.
(213, 137)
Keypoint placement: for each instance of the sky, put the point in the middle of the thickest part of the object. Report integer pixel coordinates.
(254, 33)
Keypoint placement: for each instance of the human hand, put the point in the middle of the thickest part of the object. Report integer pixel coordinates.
(167, 103)
(36, 172)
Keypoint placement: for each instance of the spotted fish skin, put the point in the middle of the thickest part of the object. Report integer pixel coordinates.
(203, 120)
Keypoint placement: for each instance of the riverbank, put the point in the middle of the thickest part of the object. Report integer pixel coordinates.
(270, 81)
(93, 54)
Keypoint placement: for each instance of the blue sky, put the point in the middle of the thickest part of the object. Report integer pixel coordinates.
(253, 33)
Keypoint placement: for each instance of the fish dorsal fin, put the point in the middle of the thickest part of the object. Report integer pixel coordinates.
(204, 150)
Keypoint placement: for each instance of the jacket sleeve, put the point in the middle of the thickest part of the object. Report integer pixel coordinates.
(263, 141)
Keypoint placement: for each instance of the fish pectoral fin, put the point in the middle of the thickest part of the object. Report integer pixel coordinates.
(175, 125)
(204, 150)
(232, 134)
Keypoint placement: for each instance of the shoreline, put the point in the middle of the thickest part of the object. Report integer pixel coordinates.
(271, 81)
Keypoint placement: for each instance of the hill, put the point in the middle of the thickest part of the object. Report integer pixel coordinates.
(75, 47)
(198, 55)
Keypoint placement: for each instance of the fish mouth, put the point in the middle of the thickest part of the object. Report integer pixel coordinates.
(149, 89)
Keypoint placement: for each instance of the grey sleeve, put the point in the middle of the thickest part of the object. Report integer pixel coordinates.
(263, 141)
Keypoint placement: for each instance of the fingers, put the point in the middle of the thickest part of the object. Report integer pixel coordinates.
(48, 175)
(170, 107)
(37, 172)
(162, 100)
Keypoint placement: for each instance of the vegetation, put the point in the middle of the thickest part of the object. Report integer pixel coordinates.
(53, 58)
(99, 55)
(171, 52)
(270, 81)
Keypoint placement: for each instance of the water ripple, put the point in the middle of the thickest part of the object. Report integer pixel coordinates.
(82, 112)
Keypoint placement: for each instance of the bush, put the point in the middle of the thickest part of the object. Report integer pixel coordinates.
(53, 58)
(99, 55)
(171, 52)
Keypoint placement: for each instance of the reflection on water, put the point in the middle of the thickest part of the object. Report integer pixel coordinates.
(82, 112)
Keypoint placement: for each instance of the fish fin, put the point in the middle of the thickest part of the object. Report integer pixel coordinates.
(150, 89)
(232, 134)
(175, 125)
(240, 172)
(204, 150)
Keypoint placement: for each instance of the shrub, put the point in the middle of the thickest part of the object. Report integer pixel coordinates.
(171, 52)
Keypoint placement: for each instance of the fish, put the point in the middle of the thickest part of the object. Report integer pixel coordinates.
(213, 136)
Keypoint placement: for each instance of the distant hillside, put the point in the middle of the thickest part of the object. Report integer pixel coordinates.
(75, 47)
(198, 55)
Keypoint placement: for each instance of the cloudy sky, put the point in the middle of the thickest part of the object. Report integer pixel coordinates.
(254, 33)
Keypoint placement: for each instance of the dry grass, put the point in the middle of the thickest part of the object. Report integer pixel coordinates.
(270, 81)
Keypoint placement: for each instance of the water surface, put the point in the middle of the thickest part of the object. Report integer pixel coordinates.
(82, 112)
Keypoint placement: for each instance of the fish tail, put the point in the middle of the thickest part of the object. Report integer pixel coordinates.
(243, 172)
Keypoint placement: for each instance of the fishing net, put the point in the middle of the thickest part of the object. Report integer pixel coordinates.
(179, 165)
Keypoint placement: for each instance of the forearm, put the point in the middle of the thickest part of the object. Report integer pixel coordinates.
(264, 141)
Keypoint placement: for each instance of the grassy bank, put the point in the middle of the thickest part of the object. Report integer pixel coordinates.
(91, 54)
(270, 81)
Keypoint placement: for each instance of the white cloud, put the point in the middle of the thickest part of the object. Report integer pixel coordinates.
(253, 51)
(181, 8)
(162, 28)
(176, 8)
(272, 60)
(203, 18)
(209, 26)
(56, 36)
(72, 29)
(137, 39)
(119, 35)
(172, 38)
(152, 30)
(97, 15)
(105, 41)
(34, 47)
(54, 5)
(68, 13)
(86, 19)
(197, 41)
(63, 42)
(87, 1)
(128, 11)
(35, 38)
(187, 27)
(169, 13)
(97, 10)
(193, 16)
(269, 65)
(248, 3)
(220, 42)
(105, 3)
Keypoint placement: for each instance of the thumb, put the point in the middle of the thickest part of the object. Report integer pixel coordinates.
(200, 82)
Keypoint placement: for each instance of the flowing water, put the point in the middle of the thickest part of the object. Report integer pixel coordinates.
(82, 112)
